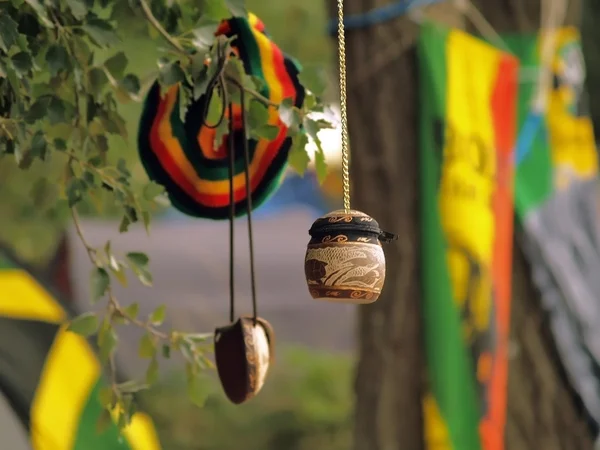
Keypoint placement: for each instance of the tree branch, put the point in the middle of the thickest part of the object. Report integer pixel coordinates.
(156, 24)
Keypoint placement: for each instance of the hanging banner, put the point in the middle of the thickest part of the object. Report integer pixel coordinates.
(468, 120)
(51, 376)
(556, 200)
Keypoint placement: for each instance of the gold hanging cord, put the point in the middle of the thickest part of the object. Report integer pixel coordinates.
(343, 107)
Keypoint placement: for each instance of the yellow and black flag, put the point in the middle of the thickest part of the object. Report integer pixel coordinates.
(51, 377)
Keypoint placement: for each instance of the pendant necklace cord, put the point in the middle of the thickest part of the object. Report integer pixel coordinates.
(343, 107)
(231, 171)
(248, 204)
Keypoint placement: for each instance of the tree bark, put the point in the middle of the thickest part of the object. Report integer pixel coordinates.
(383, 118)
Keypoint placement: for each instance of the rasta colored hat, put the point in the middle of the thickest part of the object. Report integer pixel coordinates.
(181, 155)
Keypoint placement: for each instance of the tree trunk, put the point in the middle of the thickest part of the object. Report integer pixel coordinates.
(383, 131)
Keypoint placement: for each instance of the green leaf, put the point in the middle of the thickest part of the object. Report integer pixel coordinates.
(235, 70)
(131, 84)
(312, 129)
(314, 79)
(124, 224)
(132, 311)
(114, 123)
(99, 283)
(139, 264)
(153, 190)
(56, 111)
(39, 145)
(187, 351)
(119, 272)
(74, 192)
(269, 132)
(202, 74)
(96, 80)
(116, 64)
(78, 8)
(258, 114)
(146, 221)
(298, 159)
(199, 338)
(158, 315)
(132, 386)
(82, 51)
(57, 59)
(321, 165)
(38, 110)
(8, 31)
(166, 351)
(204, 36)
(215, 109)
(60, 144)
(122, 167)
(197, 391)
(171, 74)
(85, 325)
(289, 115)
(152, 372)
(22, 62)
(101, 32)
(106, 397)
(140, 260)
(221, 131)
(147, 347)
(237, 8)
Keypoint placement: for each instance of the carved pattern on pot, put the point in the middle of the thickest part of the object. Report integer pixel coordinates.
(343, 267)
(344, 260)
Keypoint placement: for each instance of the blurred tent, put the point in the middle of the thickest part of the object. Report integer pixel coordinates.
(305, 191)
(51, 377)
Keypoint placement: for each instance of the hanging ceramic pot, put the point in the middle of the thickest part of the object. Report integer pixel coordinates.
(243, 353)
(344, 260)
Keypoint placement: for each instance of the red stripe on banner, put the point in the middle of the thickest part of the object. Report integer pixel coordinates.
(504, 107)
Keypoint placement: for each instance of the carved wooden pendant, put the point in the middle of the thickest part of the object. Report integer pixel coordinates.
(344, 260)
(243, 353)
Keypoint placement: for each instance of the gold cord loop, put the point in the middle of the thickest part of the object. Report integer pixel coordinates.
(343, 107)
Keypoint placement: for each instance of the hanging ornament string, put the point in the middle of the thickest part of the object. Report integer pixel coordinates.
(231, 172)
(343, 107)
(248, 202)
(218, 86)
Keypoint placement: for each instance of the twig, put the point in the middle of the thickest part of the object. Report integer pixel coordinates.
(79, 230)
(264, 100)
(156, 24)
(112, 300)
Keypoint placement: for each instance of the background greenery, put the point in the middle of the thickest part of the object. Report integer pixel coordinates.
(306, 405)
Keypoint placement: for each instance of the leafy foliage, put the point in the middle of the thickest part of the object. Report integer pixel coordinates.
(59, 105)
(306, 405)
